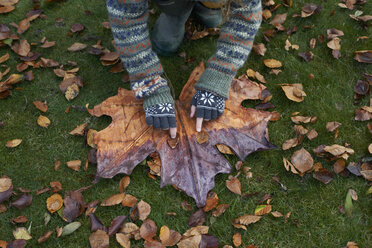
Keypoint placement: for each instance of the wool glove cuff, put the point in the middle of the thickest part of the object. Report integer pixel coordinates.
(216, 82)
(159, 109)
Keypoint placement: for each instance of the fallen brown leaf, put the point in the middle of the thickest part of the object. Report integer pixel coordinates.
(79, 130)
(262, 209)
(22, 201)
(95, 223)
(293, 92)
(54, 203)
(77, 27)
(364, 56)
(302, 161)
(169, 237)
(19, 219)
(211, 202)
(4, 58)
(220, 209)
(277, 214)
(99, 239)
(77, 47)
(197, 218)
(123, 184)
(74, 205)
(272, 63)
(43, 121)
(247, 219)
(148, 229)
(113, 200)
(237, 239)
(288, 144)
(123, 239)
(259, 48)
(339, 166)
(135, 138)
(332, 126)
(74, 164)
(234, 185)
(144, 210)
(323, 175)
(129, 201)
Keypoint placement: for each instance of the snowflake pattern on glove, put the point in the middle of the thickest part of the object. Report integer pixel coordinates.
(161, 115)
(208, 105)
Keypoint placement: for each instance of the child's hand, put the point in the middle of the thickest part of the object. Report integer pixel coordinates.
(162, 116)
(208, 106)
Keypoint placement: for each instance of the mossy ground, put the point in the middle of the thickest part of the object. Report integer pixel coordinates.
(315, 220)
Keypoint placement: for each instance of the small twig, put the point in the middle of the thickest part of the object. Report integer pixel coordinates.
(25, 106)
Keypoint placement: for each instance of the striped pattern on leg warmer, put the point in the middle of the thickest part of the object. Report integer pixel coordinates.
(130, 30)
(128, 19)
(233, 47)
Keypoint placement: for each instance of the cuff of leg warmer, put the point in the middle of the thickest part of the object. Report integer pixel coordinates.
(161, 95)
(215, 82)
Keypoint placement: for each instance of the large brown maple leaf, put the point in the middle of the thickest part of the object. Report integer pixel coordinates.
(185, 163)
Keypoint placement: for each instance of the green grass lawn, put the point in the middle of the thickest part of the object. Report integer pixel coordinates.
(315, 220)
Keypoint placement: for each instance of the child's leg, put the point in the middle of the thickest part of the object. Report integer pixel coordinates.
(169, 28)
(210, 16)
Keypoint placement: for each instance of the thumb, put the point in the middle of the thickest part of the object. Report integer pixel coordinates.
(192, 113)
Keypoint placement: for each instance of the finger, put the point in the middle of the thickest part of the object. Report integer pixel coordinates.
(156, 122)
(172, 122)
(149, 121)
(173, 132)
(199, 122)
(214, 115)
(192, 113)
(207, 114)
(164, 123)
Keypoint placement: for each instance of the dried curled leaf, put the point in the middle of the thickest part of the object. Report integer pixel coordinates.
(237, 239)
(5, 184)
(294, 92)
(41, 106)
(113, 200)
(247, 219)
(364, 56)
(272, 63)
(54, 203)
(262, 209)
(74, 164)
(13, 143)
(77, 47)
(22, 233)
